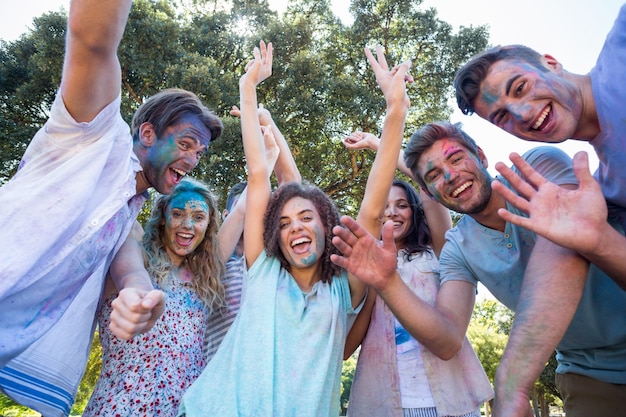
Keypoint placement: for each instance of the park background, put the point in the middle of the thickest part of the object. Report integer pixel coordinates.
(321, 89)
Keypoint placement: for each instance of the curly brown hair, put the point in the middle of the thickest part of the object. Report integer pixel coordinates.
(325, 208)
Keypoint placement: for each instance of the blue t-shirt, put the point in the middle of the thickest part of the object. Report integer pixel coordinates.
(609, 94)
(283, 354)
(595, 342)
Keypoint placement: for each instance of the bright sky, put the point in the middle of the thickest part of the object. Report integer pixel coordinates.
(572, 31)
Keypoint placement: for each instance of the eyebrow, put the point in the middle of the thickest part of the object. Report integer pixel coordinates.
(301, 212)
(507, 90)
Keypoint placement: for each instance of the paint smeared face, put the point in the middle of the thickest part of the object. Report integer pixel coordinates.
(175, 153)
(529, 103)
(398, 210)
(302, 237)
(186, 222)
(456, 177)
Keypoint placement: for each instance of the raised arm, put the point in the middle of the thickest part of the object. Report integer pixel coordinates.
(285, 167)
(365, 140)
(572, 218)
(441, 328)
(230, 232)
(393, 85)
(437, 216)
(91, 71)
(259, 187)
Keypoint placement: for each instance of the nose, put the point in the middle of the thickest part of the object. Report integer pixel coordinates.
(295, 225)
(519, 111)
(389, 212)
(450, 175)
(186, 222)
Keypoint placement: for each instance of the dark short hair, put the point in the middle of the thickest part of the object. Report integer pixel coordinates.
(169, 107)
(234, 192)
(326, 210)
(425, 137)
(469, 76)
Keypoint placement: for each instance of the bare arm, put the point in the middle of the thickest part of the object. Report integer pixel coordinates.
(572, 218)
(138, 305)
(393, 85)
(552, 288)
(437, 216)
(441, 328)
(259, 188)
(91, 71)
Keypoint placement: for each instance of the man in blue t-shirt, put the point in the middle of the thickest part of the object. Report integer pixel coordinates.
(545, 284)
(533, 97)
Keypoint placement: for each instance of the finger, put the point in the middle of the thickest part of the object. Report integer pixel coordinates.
(340, 261)
(235, 111)
(515, 219)
(382, 61)
(153, 299)
(532, 176)
(580, 164)
(357, 230)
(345, 235)
(508, 194)
(269, 55)
(387, 235)
(519, 184)
(371, 59)
(342, 246)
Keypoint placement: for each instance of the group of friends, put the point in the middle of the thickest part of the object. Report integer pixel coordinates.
(253, 314)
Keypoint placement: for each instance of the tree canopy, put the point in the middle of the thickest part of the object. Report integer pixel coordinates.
(321, 88)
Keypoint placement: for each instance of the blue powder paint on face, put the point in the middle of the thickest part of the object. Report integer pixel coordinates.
(310, 260)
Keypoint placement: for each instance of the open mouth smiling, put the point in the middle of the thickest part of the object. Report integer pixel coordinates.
(462, 188)
(178, 174)
(542, 118)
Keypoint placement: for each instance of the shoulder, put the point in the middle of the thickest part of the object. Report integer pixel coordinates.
(552, 163)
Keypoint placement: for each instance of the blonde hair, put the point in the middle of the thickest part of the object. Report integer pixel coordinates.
(204, 262)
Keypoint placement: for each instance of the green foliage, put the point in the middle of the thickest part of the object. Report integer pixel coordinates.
(347, 376)
(92, 371)
(321, 90)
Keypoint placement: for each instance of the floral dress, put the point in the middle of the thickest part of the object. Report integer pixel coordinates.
(147, 375)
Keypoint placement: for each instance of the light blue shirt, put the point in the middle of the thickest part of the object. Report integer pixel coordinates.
(595, 342)
(283, 354)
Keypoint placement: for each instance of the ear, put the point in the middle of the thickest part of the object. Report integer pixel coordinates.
(551, 63)
(483, 158)
(224, 214)
(147, 135)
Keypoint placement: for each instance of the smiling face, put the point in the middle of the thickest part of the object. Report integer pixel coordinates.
(530, 103)
(186, 222)
(456, 177)
(170, 157)
(302, 238)
(398, 210)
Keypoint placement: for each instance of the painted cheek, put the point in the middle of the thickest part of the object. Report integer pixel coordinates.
(488, 96)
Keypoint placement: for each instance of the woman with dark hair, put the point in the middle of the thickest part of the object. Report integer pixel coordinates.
(283, 354)
(396, 376)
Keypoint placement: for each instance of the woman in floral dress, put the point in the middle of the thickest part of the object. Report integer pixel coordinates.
(148, 374)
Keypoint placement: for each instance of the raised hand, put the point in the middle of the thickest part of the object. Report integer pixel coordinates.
(135, 311)
(361, 140)
(391, 82)
(370, 260)
(259, 68)
(572, 218)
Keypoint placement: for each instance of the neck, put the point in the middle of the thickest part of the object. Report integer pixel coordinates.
(307, 277)
(489, 216)
(588, 125)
